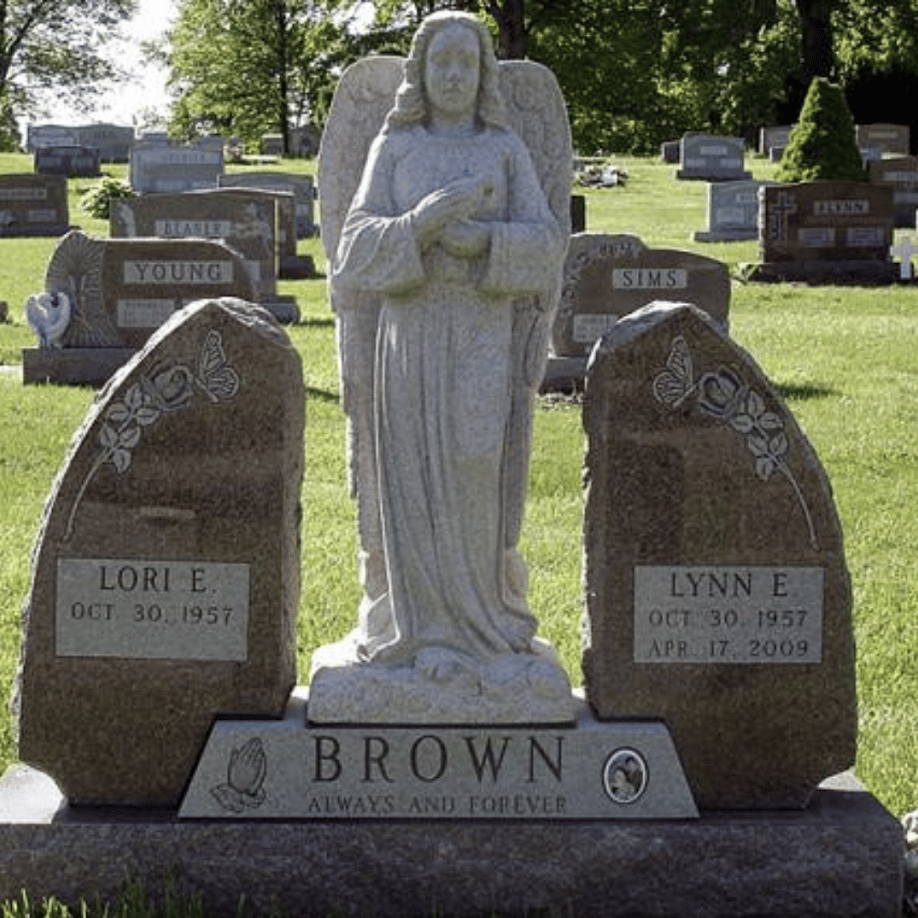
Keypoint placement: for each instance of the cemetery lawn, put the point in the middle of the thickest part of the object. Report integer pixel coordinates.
(844, 358)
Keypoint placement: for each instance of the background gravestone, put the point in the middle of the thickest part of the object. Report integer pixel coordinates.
(826, 232)
(884, 138)
(72, 161)
(244, 219)
(773, 140)
(40, 135)
(120, 292)
(710, 157)
(33, 205)
(159, 166)
(300, 185)
(607, 276)
(717, 593)
(900, 172)
(165, 578)
(733, 211)
(113, 141)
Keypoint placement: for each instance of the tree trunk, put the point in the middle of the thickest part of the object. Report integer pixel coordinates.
(510, 18)
(817, 58)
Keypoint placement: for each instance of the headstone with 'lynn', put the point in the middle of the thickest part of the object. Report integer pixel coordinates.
(718, 598)
(165, 581)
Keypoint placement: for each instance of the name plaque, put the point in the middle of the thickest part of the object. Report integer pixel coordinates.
(728, 615)
(152, 610)
(292, 769)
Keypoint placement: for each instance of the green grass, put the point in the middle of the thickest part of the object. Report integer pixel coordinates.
(845, 358)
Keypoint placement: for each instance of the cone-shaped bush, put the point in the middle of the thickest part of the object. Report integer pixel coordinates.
(822, 145)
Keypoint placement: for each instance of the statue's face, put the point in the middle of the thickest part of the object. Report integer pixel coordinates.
(451, 71)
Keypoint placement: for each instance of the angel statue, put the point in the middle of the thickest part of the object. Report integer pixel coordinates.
(446, 231)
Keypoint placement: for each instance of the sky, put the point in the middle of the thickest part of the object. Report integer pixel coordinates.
(146, 87)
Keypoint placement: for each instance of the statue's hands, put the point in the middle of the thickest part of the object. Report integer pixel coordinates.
(466, 238)
(455, 202)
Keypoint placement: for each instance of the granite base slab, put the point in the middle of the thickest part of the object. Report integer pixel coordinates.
(853, 272)
(841, 857)
(73, 366)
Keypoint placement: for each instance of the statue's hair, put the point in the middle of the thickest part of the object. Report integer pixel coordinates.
(411, 99)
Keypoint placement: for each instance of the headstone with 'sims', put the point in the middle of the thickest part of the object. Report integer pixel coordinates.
(607, 276)
(165, 580)
(717, 593)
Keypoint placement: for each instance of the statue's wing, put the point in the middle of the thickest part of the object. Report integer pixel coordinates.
(537, 113)
(361, 102)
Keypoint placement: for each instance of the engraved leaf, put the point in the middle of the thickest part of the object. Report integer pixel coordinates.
(779, 445)
(134, 398)
(118, 413)
(742, 422)
(121, 460)
(756, 404)
(129, 437)
(770, 421)
(758, 445)
(108, 436)
(146, 416)
(764, 466)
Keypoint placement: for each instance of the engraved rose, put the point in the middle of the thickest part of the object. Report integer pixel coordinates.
(721, 393)
(171, 387)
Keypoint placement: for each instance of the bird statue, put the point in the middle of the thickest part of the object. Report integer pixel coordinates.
(48, 314)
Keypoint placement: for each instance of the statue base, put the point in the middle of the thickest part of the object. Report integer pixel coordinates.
(439, 688)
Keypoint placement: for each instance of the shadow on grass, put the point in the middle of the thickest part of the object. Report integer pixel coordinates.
(316, 323)
(803, 392)
(322, 395)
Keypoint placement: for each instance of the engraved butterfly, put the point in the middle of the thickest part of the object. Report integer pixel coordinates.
(218, 380)
(676, 383)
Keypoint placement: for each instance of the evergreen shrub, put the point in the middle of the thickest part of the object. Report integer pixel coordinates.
(823, 143)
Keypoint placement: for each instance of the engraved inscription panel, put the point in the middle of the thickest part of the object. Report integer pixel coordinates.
(152, 610)
(749, 615)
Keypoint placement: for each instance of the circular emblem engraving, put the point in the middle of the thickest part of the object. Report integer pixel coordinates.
(624, 776)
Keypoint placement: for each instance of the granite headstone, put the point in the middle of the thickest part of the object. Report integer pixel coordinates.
(894, 139)
(901, 172)
(165, 579)
(717, 592)
(826, 232)
(113, 141)
(733, 211)
(607, 276)
(72, 161)
(33, 205)
(711, 157)
(120, 291)
(158, 166)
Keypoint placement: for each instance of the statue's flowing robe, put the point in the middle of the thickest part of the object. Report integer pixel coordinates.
(444, 388)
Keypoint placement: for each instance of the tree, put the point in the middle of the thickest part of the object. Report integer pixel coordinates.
(249, 67)
(56, 45)
(822, 144)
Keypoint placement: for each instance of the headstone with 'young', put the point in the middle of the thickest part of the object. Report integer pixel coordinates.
(165, 580)
(117, 292)
(718, 597)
